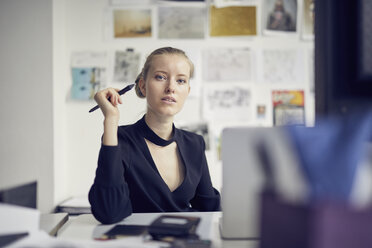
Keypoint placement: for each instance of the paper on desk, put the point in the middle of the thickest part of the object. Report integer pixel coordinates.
(43, 240)
(15, 219)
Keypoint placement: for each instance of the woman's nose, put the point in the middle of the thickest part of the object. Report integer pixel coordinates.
(170, 86)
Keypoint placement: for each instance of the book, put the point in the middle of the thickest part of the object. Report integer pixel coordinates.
(75, 206)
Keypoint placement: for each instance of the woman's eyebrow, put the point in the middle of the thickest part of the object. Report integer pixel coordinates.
(180, 74)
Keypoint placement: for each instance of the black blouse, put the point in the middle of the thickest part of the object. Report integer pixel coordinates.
(127, 179)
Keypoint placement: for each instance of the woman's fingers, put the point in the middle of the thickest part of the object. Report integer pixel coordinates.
(108, 95)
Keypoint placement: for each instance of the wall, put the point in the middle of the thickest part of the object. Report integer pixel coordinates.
(83, 30)
(26, 102)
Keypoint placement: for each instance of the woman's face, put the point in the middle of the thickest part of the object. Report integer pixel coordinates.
(167, 84)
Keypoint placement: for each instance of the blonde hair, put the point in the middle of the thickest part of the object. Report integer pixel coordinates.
(147, 65)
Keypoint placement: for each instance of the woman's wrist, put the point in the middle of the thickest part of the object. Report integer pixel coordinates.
(110, 136)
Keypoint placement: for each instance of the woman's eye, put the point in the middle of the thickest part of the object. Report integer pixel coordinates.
(160, 77)
(181, 81)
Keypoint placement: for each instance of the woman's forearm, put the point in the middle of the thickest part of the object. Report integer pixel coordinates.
(110, 133)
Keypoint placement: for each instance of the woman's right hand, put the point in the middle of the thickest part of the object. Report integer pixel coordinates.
(109, 106)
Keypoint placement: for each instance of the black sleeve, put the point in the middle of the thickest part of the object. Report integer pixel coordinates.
(206, 197)
(109, 194)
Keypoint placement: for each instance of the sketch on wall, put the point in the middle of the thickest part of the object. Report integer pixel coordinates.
(181, 22)
(227, 3)
(126, 66)
(232, 21)
(282, 66)
(279, 16)
(227, 64)
(228, 103)
(129, 23)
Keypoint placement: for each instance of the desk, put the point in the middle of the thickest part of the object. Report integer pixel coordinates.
(87, 227)
(51, 223)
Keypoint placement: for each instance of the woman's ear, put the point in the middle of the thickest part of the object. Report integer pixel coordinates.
(142, 86)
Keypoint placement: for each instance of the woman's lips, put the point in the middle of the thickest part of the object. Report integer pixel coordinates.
(169, 99)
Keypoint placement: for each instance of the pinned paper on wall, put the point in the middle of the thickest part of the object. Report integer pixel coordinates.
(227, 64)
(282, 66)
(88, 72)
(86, 82)
(279, 16)
(311, 61)
(233, 21)
(200, 128)
(228, 103)
(132, 23)
(126, 66)
(128, 2)
(308, 20)
(89, 59)
(228, 3)
(195, 81)
(181, 22)
(261, 111)
(288, 107)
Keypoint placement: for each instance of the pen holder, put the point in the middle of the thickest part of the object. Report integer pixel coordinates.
(320, 225)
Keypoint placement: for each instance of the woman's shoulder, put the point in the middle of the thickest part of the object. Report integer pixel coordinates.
(130, 130)
(190, 137)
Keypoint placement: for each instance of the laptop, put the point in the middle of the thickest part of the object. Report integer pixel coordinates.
(243, 178)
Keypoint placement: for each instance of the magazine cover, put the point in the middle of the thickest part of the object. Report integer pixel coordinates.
(288, 107)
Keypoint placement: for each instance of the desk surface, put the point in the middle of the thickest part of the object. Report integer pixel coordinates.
(51, 223)
(86, 227)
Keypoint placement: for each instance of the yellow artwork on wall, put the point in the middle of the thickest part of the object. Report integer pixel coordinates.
(233, 21)
(132, 23)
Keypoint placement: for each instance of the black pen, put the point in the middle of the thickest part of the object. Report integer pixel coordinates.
(121, 92)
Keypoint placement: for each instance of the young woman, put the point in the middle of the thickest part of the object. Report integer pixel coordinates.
(151, 166)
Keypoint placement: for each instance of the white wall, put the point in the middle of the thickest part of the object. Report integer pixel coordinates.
(84, 32)
(51, 139)
(26, 102)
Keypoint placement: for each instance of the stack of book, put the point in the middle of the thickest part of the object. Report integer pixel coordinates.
(75, 206)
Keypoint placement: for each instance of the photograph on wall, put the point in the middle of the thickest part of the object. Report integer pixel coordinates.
(181, 22)
(308, 19)
(288, 107)
(88, 74)
(126, 66)
(227, 103)
(261, 111)
(200, 128)
(232, 21)
(132, 23)
(227, 64)
(86, 82)
(282, 66)
(279, 16)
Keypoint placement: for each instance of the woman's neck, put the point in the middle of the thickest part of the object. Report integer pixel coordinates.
(162, 126)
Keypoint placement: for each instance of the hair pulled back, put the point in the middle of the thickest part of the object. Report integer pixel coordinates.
(149, 59)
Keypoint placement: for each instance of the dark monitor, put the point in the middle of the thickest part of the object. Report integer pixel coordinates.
(24, 195)
(343, 56)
